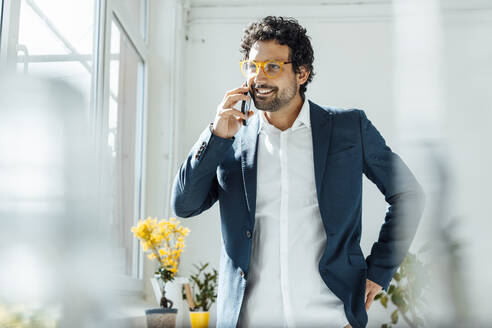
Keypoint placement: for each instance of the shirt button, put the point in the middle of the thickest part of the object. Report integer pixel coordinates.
(248, 233)
(241, 272)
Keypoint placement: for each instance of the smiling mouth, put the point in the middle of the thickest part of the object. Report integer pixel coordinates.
(263, 92)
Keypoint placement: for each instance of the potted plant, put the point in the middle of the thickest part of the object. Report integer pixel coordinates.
(201, 295)
(164, 240)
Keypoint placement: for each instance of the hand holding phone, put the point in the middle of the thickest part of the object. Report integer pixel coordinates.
(228, 119)
(245, 105)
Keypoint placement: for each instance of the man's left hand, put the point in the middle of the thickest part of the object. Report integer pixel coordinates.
(372, 289)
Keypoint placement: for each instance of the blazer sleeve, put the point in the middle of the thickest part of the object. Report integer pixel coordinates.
(195, 187)
(406, 200)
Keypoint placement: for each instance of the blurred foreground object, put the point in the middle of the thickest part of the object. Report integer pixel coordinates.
(52, 245)
(408, 292)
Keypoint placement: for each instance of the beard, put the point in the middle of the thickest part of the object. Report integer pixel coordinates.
(279, 100)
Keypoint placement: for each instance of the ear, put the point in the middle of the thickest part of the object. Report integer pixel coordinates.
(303, 75)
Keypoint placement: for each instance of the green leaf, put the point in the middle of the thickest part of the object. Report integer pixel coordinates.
(398, 300)
(391, 289)
(378, 296)
(394, 317)
(206, 283)
(384, 301)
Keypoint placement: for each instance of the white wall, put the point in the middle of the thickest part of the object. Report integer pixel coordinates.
(355, 63)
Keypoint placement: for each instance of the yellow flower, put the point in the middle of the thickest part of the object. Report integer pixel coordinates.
(164, 239)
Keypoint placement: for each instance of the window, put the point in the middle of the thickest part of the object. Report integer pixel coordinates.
(56, 38)
(98, 46)
(125, 117)
(123, 130)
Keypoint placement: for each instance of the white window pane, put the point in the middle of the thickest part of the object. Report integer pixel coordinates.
(124, 138)
(73, 20)
(56, 39)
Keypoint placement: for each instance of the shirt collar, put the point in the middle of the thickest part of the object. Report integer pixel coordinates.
(303, 118)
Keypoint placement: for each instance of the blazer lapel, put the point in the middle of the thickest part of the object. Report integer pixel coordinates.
(321, 121)
(249, 141)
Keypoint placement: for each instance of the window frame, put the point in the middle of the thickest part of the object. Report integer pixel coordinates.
(1, 18)
(104, 12)
(109, 9)
(9, 34)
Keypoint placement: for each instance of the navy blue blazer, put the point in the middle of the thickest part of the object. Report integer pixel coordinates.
(345, 146)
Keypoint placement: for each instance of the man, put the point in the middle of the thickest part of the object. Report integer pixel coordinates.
(289, 186)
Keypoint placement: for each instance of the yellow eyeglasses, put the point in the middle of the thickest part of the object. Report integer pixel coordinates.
(271, 68)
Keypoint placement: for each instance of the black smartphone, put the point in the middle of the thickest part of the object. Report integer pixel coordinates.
(245, 105)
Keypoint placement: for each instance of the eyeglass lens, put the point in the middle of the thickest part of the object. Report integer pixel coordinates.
(272, 68)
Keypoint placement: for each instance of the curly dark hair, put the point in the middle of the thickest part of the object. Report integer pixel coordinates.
(286, 31)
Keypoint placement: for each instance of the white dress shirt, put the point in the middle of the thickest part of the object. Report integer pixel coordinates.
(284, 287)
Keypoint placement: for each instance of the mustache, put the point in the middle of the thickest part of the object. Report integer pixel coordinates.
(255, 86)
